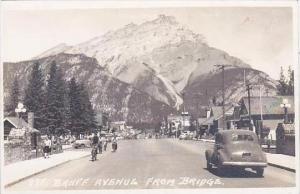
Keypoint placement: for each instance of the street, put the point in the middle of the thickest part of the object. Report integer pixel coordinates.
(150, 164)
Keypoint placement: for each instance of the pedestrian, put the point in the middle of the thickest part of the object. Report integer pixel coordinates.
(94, 143)
(105, 143)
(47, 148)
(100, 146)
(114, 144)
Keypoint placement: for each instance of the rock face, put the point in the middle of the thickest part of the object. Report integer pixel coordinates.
(121, 100)
(160, 59)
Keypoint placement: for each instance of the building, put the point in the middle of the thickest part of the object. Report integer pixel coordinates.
(266, 108)
(214, 120)
(179, 122)
(118, 125)
(102, 120)
(12, 123)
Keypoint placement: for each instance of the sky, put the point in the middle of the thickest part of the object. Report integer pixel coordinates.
(260, 36)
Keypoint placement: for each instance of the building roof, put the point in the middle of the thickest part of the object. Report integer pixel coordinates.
(270, 104)
(16, 122)
(208, 121)
(218, 111)
(19, 123)
(201, 120)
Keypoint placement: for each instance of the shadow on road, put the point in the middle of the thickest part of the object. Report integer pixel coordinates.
(233, 173)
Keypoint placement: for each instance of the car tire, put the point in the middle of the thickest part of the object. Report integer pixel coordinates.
(208, 165)
(260, 172)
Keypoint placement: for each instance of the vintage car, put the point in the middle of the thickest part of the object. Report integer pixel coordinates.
(237, 149)
(82, 143)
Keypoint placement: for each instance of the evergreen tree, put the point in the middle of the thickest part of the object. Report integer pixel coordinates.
(56, 101)
(88, 114)
(82, 115)
(75, 123)
(290, 87)
(282, 86)
(35, 97)
(14, 98)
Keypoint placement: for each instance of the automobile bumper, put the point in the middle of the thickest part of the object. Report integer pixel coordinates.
(246, 164)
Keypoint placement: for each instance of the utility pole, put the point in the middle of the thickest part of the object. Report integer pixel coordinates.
(222, 67)
(248, 88)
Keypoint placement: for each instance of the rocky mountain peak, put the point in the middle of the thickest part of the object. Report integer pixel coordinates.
(164, 19)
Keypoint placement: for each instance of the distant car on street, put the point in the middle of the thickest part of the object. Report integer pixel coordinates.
(237, 149)
(82, 143)
(186, 135)
(183, 136)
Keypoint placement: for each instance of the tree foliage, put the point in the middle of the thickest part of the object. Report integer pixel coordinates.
(82, 116)
(14, 98)
(285, 85)
(58, 106)
(35, 96)
(56, 101)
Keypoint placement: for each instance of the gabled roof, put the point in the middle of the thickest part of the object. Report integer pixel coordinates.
(19, 123)
(16, 122)
(217, 111)
(269, 104)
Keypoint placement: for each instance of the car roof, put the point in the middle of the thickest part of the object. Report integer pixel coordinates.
(236, 131)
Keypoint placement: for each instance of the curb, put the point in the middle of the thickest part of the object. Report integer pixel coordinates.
(282, 167)
(41, 171)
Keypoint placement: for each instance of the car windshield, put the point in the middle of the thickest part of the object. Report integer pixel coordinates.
(244, 137)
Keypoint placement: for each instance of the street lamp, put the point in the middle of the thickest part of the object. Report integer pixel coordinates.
(285, 105)
(20, 109)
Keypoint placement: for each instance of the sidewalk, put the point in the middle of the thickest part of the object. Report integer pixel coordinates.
(282, 161)
(277, 160)
(18, 171)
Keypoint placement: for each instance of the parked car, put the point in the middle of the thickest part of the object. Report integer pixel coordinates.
(82, 143)
(237, 149)
(183, 136)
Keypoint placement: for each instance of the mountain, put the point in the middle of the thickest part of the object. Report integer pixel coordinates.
(160, 60)
(199, 93)
(158, 57)
(121, 100)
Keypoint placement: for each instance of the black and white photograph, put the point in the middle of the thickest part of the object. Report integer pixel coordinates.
(166, 97)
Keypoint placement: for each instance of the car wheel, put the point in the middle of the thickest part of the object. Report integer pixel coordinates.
(220, 170)
(208, 165)
(260, 172)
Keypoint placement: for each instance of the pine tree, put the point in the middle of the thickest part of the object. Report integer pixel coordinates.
(14, 98)
(290, 87)
(88, 114)
(282, 86)
(82, 115)
(65, 106)
(56, 101)
(75, 123)
(35, 97)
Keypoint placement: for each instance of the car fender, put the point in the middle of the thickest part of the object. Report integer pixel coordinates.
(222, 156)
(208, 154)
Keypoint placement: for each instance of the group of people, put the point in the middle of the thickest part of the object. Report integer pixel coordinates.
(99, 144)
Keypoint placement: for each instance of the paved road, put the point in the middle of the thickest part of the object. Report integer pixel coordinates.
(145, 164)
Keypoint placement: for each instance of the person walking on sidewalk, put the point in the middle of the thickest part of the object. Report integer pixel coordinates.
(105, 143)
(100, 145)
(47, 148)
